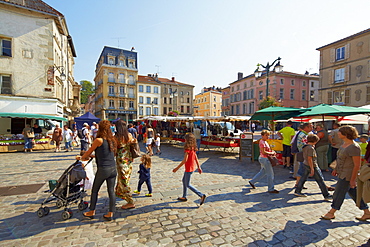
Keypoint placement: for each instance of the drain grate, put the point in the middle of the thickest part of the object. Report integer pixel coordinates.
(20, 189)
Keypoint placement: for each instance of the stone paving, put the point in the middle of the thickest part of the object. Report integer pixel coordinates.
(233, 215)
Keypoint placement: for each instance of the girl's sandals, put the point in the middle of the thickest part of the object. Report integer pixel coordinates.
(328, 216)
(128, 206)
(364, 217)
(108, 216)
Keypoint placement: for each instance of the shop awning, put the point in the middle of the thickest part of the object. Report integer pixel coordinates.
(31, 115)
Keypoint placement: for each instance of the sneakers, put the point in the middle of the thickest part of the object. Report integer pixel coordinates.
(148, 195)
(328, 198)
(183, 199)
(300, 194)
(136, 192)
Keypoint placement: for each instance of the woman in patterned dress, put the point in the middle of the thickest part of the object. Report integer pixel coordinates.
(123, 164)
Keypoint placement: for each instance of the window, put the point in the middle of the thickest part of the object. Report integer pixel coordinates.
(237, 109)
(111, 103)
(237, 88)
(121, 104)
(155, 100)
(148, 100)
(111, 90)
(281, 81)
(165, 100)
(122, 90)
(281, 94)
(312, 84)
(170, 90)
(6, 47)
(111, 77)
(141, 110)
(260, 93)
(291, 93)
(187, 100)
(303, 83)
(121, 78)
(131, 65)
(244, 108)
(245, 85)
(214, 106)
(188, 109)
(121, 63)
(141, 88)
(205, 99)
(155, 89)
(164, 110)
(111, 61)
(148, 111)
(131, 79)
(5, 84)
(312, 95)
(131, 104)
(155, 111)
(244, 95)
(340, 53)
(339, 75)
(182, 109)
(292, 82)
(303, 94)
(148, 89)
(141, 99)
(232, 89)
(181, 93)
(214, 98)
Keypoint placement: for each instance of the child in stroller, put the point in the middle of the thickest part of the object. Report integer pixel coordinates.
(66, 190)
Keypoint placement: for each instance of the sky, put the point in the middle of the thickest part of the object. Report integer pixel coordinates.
(207, 42)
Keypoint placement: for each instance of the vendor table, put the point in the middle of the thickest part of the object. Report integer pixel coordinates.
(18, 145)
(227, 143)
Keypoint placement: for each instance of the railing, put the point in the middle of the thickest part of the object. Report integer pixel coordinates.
(131, 82)
(122, 95)
(122, 81)
(112, 95)
(111, 80)
(131, 95)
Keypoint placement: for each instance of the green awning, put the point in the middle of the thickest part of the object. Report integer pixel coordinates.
(31, 115)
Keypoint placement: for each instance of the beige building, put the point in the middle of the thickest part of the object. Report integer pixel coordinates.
(345, 71)
(208, 102)
(149, 96)
(36, 61)
(115, 79)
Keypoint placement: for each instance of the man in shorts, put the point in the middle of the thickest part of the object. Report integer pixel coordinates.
(287, 133)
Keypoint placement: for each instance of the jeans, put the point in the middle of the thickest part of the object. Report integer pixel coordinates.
(186, 184)
(198, 144)
(68, 145)
(333, 153)
(317, 175)
(339, 195)
(148, 184)
(266, 170)
(108, 174)
(28, 143)
(322, 156)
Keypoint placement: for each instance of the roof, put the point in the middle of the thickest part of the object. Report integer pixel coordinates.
(34, 5)
(349, 37)
(107, 50)
(143, 78)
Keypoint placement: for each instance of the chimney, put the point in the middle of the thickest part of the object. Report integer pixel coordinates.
(240, 75)
(173, 78)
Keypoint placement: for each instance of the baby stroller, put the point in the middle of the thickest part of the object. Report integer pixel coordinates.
(66, 190)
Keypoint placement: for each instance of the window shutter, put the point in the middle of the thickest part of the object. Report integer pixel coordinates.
(347, 75)
(331, 77)
(346, 96)
(347, 48)
(332, 55)
(368, 68)
(330, 98)
(367, 94)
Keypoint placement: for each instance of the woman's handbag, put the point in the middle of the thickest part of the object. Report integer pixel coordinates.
(273, 160)
(135, 149)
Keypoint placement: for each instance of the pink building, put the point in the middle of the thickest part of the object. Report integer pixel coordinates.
(291, 89)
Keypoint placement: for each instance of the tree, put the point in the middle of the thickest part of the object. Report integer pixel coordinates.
(267, 102)
(87, 89)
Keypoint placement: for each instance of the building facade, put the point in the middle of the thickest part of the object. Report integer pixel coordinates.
(225, 105)
(115, 79)
(149, 96)
(290, 89)
(36, 61)
(345, 71)
(208, 102)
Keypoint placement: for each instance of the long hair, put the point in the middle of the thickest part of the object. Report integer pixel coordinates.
(147, 161)
(190, 142)
(122, 132)
(105, 132)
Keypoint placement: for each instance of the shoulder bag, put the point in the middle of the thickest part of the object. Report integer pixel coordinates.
(135, 149)
(273, 160)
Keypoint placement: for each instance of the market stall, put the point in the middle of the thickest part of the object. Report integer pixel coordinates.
(14, 143)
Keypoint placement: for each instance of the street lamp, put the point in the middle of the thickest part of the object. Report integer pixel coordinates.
(62, 76)
(258, 72)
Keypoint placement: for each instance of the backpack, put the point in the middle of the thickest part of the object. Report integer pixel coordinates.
(295, 150)
(80, 134)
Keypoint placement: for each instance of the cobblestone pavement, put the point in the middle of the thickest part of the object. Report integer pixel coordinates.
(233, 215)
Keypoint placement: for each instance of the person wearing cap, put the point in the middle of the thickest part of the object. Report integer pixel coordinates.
(158, 144)
(94, 130)
(85, 140)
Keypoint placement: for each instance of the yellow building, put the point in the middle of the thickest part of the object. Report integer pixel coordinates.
(115, 81)
(345, 70)
(208, 102)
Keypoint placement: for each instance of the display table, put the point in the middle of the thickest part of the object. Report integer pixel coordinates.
(227, 143)
(18, 145)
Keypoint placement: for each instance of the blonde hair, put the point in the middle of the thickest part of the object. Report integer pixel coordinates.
(312, 138)
(265, 132)
(147, 161)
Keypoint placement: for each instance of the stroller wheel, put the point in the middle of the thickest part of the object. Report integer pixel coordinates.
(82, 205)
(67, 214)
(59, 203)
(46, 210)
(40, 212)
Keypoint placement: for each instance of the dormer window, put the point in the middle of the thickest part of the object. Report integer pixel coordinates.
(121, 63)
(111, 61)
